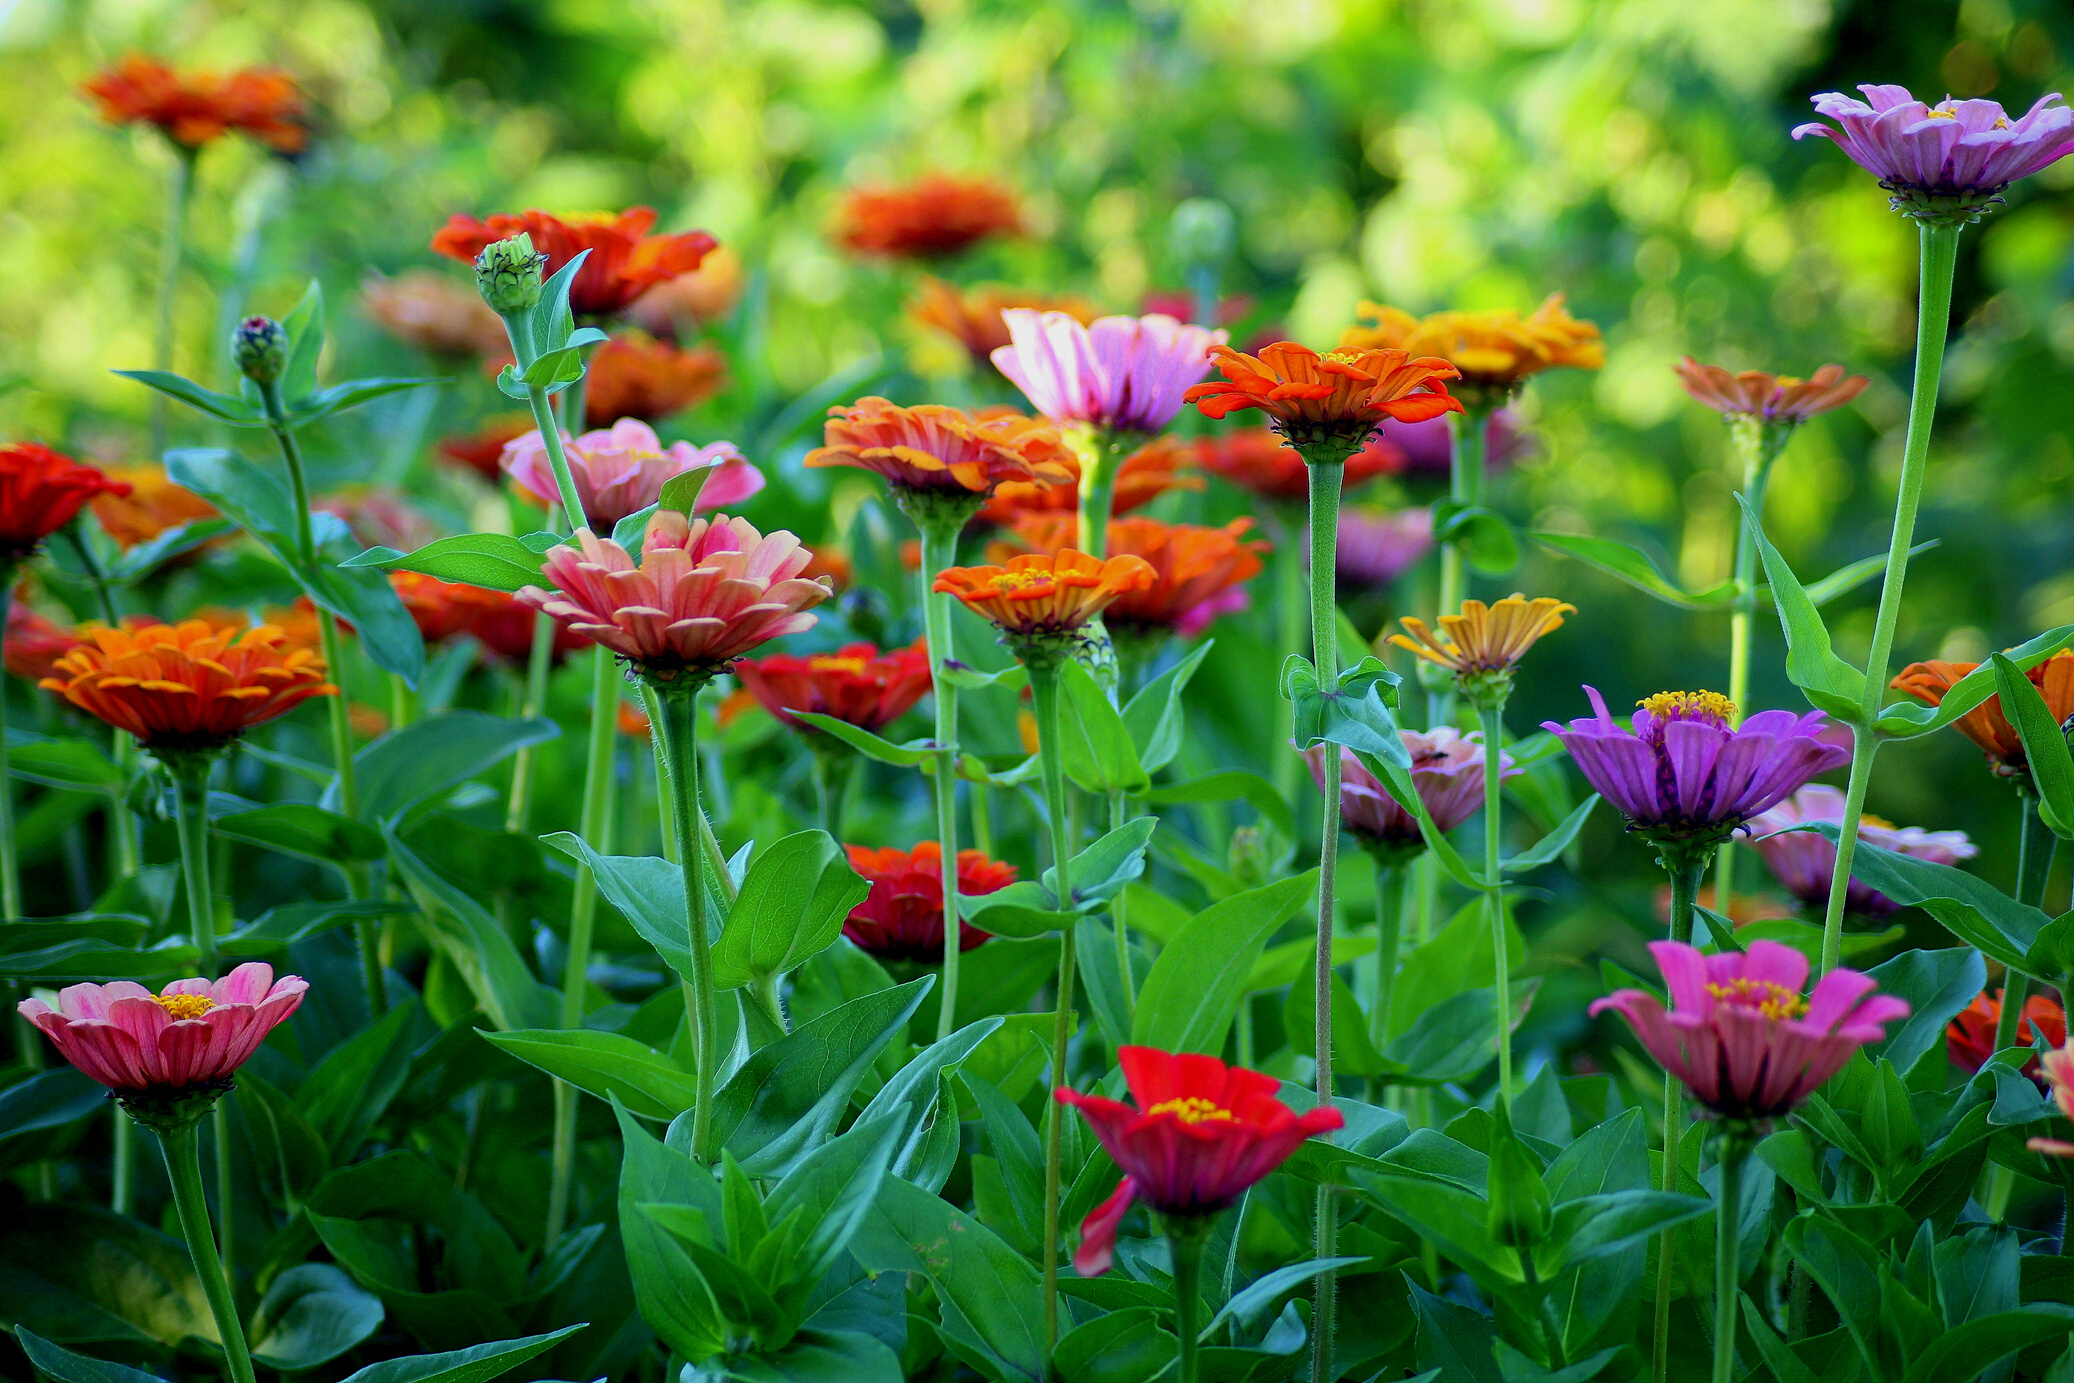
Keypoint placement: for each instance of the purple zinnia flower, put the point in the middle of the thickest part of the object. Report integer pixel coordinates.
(1447, 769)
(1741, 1034)
(1429, 447)
(1960, 152)
(1682, 777)
(1804, 861)
(1375, 549)
(1126, 373)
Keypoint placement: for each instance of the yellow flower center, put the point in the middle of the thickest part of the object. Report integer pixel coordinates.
(1191, 1109)
(1345, 355)
(1868, 819)
(1770, 999)
(184, 1005)
(831, 663)
(1692, 705)
(1007, 581)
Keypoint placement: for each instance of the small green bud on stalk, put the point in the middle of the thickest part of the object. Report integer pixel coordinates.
(260, 347)
(507, 274)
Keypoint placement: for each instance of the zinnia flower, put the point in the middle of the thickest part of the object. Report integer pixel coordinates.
(1947, 159)
(1035, 600)
(1447, 770)
(972, 316)
(1805, 861)
(1741, 1034)
(1682, 777)
(1375, 549)
(40, 492)
(1969, 1040)
(33, 644)
(481, 450)
(1335, 399)
(1199, 1135)
(1191, 565)
(935, 449)
(1144, 476)
(934, 217)
(678, 307)
(625, 261)
(151, 505)
(191, 687)
(620, 470)
(1986, 724)
(194, 109)
(2058, 1067)
(706, 592)
(1495, 351)
(443, 609)
(856, 684)
(381, 517)
(1126, 373)
(1484, 643)
(636, 376)
(504, 624)
(1258, 461)
(434, 313)
(902, 917)
(1768, 397)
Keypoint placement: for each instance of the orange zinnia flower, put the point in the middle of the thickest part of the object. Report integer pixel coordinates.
(636, 376)
(1969, 1040)
(483, 449)
(1986, 724)
(1255, 459)
(1038, 597)
(625, 260)
(857, 684)
(188, 687)
(1333, 400)
(434, 313)
(1144, 476)
(1769, 397)
(40, 492)
(902, 917)
(689, 301)
(443, 609)
(1196, 570)
(199, 107)
(152, 505)
(972, 316)
(829, 561)
(931, 218)
(1494, 351)
(936, 448)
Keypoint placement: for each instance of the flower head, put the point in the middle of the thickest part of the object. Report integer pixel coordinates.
(33, 644)
(902, 917)
(705, 593)
(1767, 397)
(434, 313)
(933, 448)
(972, 316)
(621, 470)
(443, 609)
(504, 625)
(1495, 351)
(1447, 769)
(856, 684)
(1740, 1032)
(1805, 861)
(625, 260)
(1948, 161)
(1375, 549)
(188, 687)
(1969, 1039)
(1334, 400)
(1428, 448)
(1258, 461)
(1127, 373)
(1484, 643)
(1192, 565)
(1681, 776)
(1037, 600)
(481, 450)
(151, 505)
(636, 376)
(1986, 724)
(1199, 1134)
(676, 308)
(2058, 1068)
(934, 217)
(1145, 475)
(381, 517)
(193, 109)
(40, 491)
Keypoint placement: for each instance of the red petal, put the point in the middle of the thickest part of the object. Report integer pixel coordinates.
(1420, 408)
(1098, 1231)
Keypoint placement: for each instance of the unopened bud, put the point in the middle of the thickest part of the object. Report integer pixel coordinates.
(260, 346)
(1247, 857)
(1201, 232)
(507, 274)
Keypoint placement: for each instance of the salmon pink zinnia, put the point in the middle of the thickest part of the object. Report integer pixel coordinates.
(621, 470)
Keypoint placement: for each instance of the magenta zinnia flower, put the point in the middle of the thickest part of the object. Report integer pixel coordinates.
(1741, 1034)
(620, 470)
(1446, 768)
(191, 1035)
(706, 592)
(1961, 150)
(1804, 861)
(1681, 777)
(1375, 549)
(1126, 373)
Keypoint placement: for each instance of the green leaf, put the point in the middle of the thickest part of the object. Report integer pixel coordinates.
(79, 765)
(1485, 538)
(1397, 781)
(1118, 1347)
(2045, 745)
(1937, 985)
(225, 406)
(1291, 961)
(1592, 1227)
(495, 561)
(305, 328)
(312, 1313)
(1907, 719)
(1636, 568)
(1196, 983)
(793, 903)
(348, 1091)
(479, 949)
(146, 557)
(1851, 576)
(477, 1364)
(136, 1286)
(46, 1103)
(302, 828)
(1971, 908)
(821, 1356)
(1227, 786)
(913, 1095)
(347, 394)
(680, 493)
(67, 1367)
(1100, 872)
(1352, 1051)
(607, 1065)
(991, 1293)
(1155, 716)
(1359, 713)
(1450, 1041)
(673, 1294)
(885, 751)
(1099, 755)
(276, 929)
(1552, 844)
(648, 891)
(1830, 683)
(435, 755)
(835, 1184)
(1986, 1338)
(1454, 1341)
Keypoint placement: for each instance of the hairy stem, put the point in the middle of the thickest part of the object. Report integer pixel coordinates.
(939, 550)
(184, 1169)
(677, 728)
(1044, 694)
(1185, 1246)
(1326, 477)
(191, 784)
(1685, 886)
(1757, 445)
(1389, 940)
(1727, 1277)
(1494, 899)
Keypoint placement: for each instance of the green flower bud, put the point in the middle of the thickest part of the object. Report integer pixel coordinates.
(260, 346)
(1246, 857)
(507, 274)
(1201, 232)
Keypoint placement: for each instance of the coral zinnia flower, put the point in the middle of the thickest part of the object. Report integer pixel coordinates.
(1969, 1040)
(902, 917)
(188, 687)
(935, 448)
(1682, 776)
(1192, 566)
(1484, 643)
(933, 217)
(676, 307)
(621, 470)
(2058, 1067)
(1144, 476)
(443, 609)
(625, 261)
(33, 644)
(1805, 862)
(434, 313)
(1985, 724)
(1446, 768)
(857, 684)
(1127, 373)
(1495, 351)
(1964, 151)
(1257, 460)
(1375, 549)
(1200, 1133)
(706, 592)
(482, 449)
(1741, 1034)
(636, 376)
(972, 316)
(151, 505)
(1768, 397)
(503, 625)
(1335, 399)
(1038, 597)
(199, 107)
(40, 491)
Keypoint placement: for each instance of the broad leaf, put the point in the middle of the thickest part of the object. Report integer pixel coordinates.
(312, 1313)
(1098, 752)
(1154, 716)
(1196, 983)
(647, 1082)
(2045, 745)
(477, 1364)
(495, 561)
(865, 742)
(435, 755)
(301, 828)
(792, 905)
(1830, 683)
(1636, 568)
(1907, 719)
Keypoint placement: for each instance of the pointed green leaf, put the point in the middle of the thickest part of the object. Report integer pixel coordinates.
(1635, 567)
(2045, 745)
(1907, 719)
(225, 406)
(1830, 683)
(1196, 983)
(885, 751)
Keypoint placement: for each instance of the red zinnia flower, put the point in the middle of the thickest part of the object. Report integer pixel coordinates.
(625, 262)
(504, 628)
(636, 376)
(902, 917)
(33, 644)
(1255, 459)
(442, 609)
(931, 218)
(856, 684)
(40, 491)
(1144, 476)
(1337, 397)
(482, 450)
(1200, 1134)
(199, 107)
(1970, 1039)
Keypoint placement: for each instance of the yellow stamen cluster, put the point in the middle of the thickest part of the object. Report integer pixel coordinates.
(832, 663)
(1689, 705)
(182, 1006)
(1768, 998)
(1192, 1109)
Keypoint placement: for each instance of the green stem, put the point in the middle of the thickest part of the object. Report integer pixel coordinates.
(178, 193)
(677, 729)
(10, 861)
(1465, 487)
(1289, 630)
(184, 1170)
(1389, 940)
(1551, 1328)
(124, 1199)
(1685, 885)
(1940, 253)
(982, 819)
(666, 815)
(1493, 718)
(1119, 813)
(1727, 1277)
(2033, 864)
(191, 785)
(939, 550)
(518, 809)
(1185, 1246)
(1758, 444)
(1100, 460)
(834, 765)
(1044, 694)
(551, 437)
(219, 1118)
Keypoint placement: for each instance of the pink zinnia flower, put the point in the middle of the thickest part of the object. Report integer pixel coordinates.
(706, 592)
(620, 470)
(1375, 549)
(1446, 768)
(1741, 1034)
(1959, 149)
(2058, 1066)
(1804, 861)
(1126, 373)
(192, 1034)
